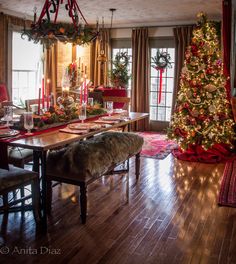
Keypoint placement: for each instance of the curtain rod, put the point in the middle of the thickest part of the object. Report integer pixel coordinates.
(183, 25)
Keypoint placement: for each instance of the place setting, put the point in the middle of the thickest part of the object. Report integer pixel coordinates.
(80, 128)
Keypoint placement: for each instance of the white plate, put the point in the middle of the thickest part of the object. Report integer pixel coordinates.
(84, 126)
(8, 133)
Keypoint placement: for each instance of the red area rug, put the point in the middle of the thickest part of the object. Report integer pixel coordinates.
(156, 145)
(227, 195)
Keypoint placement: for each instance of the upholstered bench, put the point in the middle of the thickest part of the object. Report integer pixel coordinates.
(83, 162)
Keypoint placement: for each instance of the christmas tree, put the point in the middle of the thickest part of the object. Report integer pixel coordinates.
(203, 115)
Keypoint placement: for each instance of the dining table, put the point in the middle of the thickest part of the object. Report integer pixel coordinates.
(43, 141)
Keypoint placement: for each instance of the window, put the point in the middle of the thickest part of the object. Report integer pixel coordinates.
(162, 111)
(123, 45)
(26, 69)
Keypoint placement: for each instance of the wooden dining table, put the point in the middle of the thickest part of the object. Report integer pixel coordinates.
(44, 142)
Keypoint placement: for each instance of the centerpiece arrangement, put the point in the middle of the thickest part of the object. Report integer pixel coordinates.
(56, 115)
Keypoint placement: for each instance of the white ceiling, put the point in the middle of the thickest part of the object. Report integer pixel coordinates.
(129, 12)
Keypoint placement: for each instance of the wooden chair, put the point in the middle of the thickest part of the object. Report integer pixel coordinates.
(118, 99)
(17, 178)
(30, 102)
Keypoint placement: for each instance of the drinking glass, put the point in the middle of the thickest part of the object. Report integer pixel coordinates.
(90, 101)
(82, 112)
(8, 114)
(28, 122)
(109, 107)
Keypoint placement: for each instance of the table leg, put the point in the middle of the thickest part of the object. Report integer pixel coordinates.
(36, 157)
(44, 190)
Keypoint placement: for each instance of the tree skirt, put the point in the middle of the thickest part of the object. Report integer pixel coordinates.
(227, 195)
(156, 145)
(218, 153)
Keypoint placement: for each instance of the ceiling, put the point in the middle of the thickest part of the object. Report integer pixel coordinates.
(129, 12)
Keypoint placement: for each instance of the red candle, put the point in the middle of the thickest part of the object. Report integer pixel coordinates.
(39, 101)
(48, 89)
(85, 91)
(43, 92)
(81, 91)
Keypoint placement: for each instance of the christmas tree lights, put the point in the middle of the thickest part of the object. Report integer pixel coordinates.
(203, 113)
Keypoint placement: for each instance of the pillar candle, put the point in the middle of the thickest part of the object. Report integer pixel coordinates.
(43, 92)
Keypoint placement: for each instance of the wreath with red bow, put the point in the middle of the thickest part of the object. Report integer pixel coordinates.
(160, 62)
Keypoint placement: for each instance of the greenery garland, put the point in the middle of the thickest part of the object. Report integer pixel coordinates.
(161, 60)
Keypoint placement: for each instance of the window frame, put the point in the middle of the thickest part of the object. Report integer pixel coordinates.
(160, 43)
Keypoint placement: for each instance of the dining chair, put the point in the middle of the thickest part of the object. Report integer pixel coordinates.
(16, 178)
(118, 99)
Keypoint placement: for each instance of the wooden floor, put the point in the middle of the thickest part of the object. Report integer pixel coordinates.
(171, 216)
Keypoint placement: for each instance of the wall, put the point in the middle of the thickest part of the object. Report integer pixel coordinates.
(153, 32)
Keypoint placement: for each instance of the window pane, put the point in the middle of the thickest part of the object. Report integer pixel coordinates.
(153, 113)
(161, 113)
(169, 99)
(170, 84)
(153, 99)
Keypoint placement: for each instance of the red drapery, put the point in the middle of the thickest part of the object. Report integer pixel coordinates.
(226, 30)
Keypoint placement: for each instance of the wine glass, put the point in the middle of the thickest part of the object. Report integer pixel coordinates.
(8, 114)
(90, 101)
(82, 112)
(109, 107)
(28, 122)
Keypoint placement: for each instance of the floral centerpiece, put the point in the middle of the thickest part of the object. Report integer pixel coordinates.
(57, 115)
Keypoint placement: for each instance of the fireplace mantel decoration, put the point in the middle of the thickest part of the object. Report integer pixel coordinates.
(47, 31)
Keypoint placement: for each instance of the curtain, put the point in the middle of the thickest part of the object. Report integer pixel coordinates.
(140, 76)
(182, 37)
(4, 48)
(51, 69)
(227, 15)
(99, 70)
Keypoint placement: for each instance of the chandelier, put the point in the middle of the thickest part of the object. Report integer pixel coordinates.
(47, 31)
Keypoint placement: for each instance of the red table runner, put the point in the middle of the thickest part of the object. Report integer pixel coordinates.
(4, 141)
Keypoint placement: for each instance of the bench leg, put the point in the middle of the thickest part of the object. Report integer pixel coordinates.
(137, 165)
(83, 203)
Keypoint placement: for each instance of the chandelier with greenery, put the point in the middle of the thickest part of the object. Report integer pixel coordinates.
(47, 31)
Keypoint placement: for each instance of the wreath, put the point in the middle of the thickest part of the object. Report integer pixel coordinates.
(119, 74)
(122, 58)
(161, 61)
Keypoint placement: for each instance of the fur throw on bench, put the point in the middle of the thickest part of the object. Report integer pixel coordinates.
(92, 158)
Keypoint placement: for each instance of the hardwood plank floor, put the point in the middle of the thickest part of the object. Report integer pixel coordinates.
(171, 216)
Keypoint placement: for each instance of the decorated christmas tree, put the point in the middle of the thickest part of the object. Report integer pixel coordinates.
(203, 116)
